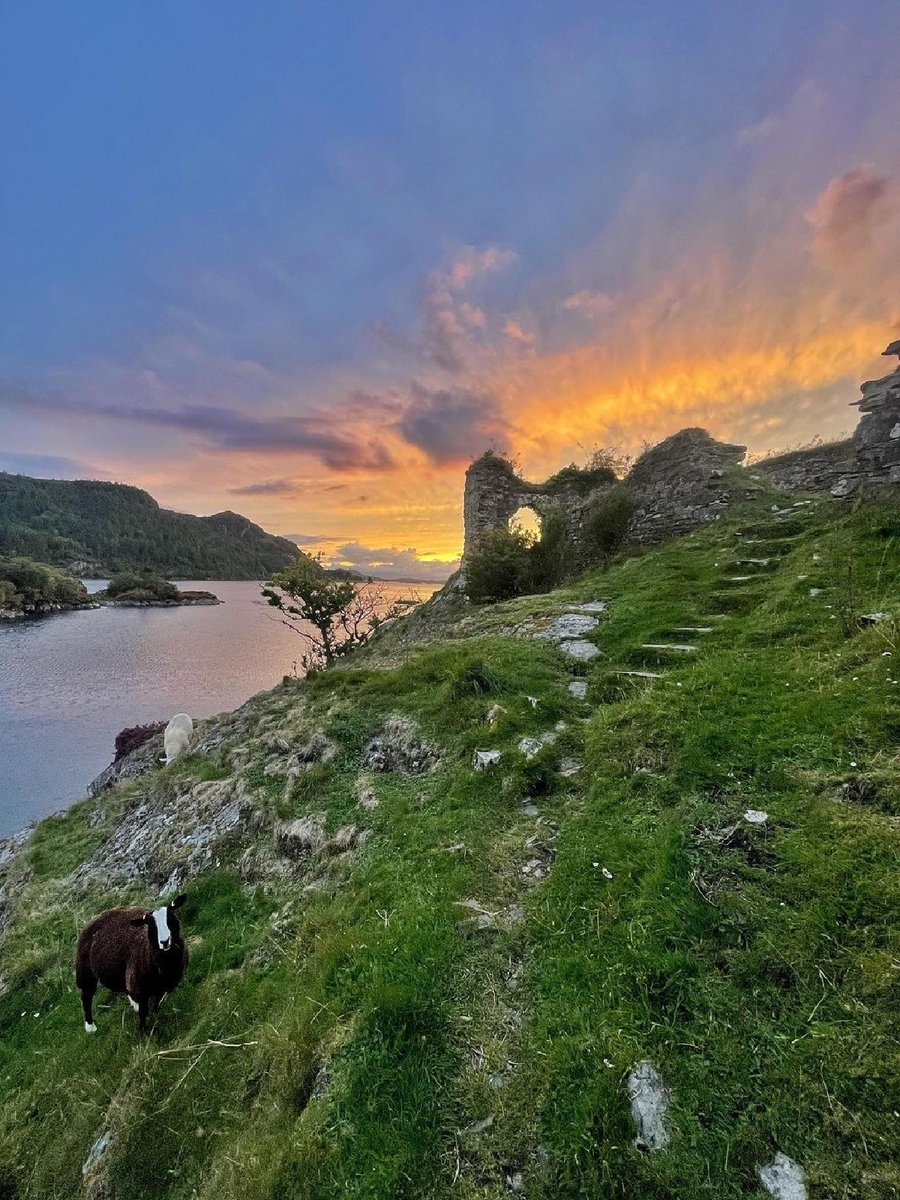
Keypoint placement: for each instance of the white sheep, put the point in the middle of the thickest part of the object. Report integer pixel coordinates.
(177, 737)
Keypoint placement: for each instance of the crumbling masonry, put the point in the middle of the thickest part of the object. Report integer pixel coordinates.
(690, 478)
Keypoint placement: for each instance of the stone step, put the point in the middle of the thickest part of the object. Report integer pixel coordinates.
(641, 674)
(738, 600)
(775, 530)
(753, 562)
(693, 629)
(669, 647)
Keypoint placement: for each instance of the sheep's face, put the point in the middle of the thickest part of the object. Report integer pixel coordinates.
(163, 926)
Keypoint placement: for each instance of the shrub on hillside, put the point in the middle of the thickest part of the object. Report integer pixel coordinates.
(135, 736)
(551, 556)
(502, 567)
(606, 523)
(333, 615)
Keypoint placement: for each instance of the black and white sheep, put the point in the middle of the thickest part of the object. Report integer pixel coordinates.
(131, 950)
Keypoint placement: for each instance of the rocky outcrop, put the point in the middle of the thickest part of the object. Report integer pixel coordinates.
(139, 762)
(876, 441)
(170, 834)
(680, 484)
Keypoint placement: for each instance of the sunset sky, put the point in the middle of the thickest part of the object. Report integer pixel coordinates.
(306, 260)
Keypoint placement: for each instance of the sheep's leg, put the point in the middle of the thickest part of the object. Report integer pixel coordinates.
(88, 987)
(142, 1007)
(86, 981)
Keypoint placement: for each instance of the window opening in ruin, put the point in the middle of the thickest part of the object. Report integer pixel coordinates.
(528, 521)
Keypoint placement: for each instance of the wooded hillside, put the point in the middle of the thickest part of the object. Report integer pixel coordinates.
(104, 528)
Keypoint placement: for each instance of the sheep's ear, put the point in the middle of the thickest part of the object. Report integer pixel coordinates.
(178, 901)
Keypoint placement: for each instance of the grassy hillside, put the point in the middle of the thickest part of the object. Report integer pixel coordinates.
(111, 527)
(437, 985)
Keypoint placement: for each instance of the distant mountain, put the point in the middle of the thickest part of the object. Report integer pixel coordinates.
(99, 529)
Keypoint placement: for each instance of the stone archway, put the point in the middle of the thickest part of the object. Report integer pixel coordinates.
(495, 494)
(528, 519)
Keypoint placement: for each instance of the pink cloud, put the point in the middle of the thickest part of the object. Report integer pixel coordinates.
(589, 304)
(517, 333)
(849, 210)
(470, 263)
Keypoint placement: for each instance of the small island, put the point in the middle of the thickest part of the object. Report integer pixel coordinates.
(36, 589)
(133, 590)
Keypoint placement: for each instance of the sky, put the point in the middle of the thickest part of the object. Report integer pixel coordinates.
(306, 260)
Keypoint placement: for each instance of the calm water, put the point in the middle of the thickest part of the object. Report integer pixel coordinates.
(70, 682)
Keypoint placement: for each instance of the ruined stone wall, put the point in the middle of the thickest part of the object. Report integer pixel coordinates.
(494, 493)
(690, 479)
(876, 441)
(814, 469)
(680, 484)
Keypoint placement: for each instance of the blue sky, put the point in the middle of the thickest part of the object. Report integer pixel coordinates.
(303, 259)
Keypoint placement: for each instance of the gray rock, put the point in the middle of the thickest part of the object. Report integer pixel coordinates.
(784, 1179)
(649, 1106)
(579, 650)
(578, 688)
(494, 713)
(874, 618)
(484, 760)
(591, 606)
(569, 625)
(530, 746)
(99, 1149)
(569, 767)
(844, 487)
(400, 748)
(669, 647)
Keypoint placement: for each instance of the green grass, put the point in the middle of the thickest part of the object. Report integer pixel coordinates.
(379, 1044)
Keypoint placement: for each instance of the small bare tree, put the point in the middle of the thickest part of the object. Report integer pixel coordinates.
(332, 614)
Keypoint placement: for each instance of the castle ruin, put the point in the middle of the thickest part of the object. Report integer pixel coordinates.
(690, 478)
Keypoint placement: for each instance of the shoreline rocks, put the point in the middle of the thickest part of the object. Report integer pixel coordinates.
(43, 610)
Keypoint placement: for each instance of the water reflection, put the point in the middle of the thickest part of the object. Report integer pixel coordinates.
(70, 682)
